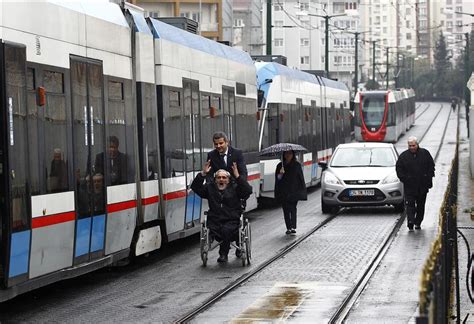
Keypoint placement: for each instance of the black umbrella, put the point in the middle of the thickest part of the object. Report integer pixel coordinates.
(279, 148)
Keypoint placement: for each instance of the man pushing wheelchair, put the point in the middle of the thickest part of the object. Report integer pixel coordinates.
(225, 197)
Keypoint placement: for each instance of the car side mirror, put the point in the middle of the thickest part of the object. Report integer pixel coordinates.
(323, 165)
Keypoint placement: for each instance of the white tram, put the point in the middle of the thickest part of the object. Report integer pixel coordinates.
(299, 107)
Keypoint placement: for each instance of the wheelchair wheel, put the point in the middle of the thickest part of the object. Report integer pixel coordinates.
(248, 245)
(204, 244)
(243, 246)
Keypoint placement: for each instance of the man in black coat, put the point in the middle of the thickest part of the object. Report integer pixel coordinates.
(117, 163)
(224, 156)
(415, 168)
(224, 198)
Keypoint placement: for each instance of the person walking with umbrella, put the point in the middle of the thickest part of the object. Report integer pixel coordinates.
(290, 187)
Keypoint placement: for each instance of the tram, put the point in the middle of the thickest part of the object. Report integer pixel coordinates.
(106, 117)
(299, 107)
(383, 115)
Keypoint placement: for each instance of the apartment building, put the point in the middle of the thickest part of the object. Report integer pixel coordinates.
(208, 13)
(457, 21)
(299, 33)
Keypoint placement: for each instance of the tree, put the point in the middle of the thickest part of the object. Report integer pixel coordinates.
(372, 85)
(442, 65)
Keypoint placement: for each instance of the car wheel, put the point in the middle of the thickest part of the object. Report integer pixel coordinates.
(325, 208)
(399, 208)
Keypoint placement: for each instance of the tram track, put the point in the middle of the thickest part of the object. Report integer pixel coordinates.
(247, 276)
(344, 308)
(418, 115)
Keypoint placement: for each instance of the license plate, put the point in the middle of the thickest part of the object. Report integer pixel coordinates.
(364, 192)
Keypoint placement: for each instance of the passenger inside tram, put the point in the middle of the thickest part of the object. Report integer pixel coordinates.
(117, 162)
(57, 180)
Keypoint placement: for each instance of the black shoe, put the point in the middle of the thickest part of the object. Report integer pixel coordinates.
(288, 232)
(222, 258)
(293, 231)
(238, 253)
(418, 227)
(410, 227)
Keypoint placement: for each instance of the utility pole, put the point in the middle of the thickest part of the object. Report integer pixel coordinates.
(386, 74)
(326, 17)
(269, 27)
(356, 68)
(397, 83)
(373, 60)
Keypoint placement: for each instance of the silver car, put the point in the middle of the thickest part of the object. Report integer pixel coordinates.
(361, 174)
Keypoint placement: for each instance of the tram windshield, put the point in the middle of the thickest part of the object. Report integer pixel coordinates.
(363, 157)
(372, 111)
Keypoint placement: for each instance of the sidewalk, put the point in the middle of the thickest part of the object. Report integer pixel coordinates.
(392, 294)
(465, 222)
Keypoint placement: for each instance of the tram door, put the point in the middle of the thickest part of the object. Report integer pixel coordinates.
(88, 146)
(192, 142)
(14, 207)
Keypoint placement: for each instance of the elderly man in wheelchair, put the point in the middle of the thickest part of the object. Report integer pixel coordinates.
(225, 215)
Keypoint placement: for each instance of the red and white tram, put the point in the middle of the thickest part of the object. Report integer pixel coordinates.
(383, 115)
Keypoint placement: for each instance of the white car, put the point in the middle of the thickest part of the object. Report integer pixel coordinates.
(361, 174)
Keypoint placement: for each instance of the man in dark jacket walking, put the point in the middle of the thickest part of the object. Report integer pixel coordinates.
(415, 168)
(224, 198)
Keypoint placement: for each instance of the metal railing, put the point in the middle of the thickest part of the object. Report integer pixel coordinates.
(436, 289)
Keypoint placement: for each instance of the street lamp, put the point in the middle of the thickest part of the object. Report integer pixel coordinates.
(327, 17)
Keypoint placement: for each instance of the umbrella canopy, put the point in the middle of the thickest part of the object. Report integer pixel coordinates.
(279, 148)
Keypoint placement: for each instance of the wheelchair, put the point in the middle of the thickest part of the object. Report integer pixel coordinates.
(244, 243)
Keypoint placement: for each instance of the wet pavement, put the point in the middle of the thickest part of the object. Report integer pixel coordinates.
(303, 287)
(392, 295)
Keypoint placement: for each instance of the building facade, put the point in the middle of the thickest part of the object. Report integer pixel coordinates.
(208, 13)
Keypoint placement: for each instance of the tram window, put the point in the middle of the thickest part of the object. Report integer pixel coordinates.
(120, 139)
(55, 143)
(115, 90)
(53, 81)
(173, 143)
(30, 79)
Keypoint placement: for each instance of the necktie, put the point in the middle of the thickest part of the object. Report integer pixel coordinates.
(223, 159)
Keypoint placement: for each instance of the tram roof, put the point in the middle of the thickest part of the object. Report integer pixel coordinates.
(140, 22)
(187, 39)
(101, 9)
(268, 70)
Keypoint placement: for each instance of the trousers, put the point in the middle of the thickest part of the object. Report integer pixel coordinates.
(225, 233)
(415, 207)
(289, 212)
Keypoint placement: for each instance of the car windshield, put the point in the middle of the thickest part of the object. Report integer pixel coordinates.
(363, 156)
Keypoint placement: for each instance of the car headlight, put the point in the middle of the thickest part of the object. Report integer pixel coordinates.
(330, 178)
(391, 178)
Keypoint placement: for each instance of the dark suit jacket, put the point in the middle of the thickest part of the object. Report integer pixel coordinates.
(233, 155)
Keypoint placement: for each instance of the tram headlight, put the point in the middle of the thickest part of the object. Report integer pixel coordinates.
(330, 178)
(391, 178)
